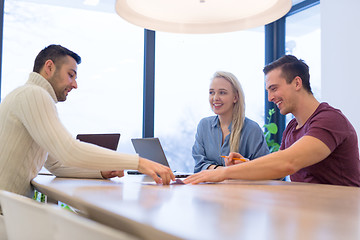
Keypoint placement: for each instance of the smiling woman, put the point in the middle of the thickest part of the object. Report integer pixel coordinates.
(228, 131)
(184, 65)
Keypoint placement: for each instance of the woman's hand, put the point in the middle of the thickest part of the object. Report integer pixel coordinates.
(234, 158)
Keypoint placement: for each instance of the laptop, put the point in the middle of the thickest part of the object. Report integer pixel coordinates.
(151, 149)
(106, 140)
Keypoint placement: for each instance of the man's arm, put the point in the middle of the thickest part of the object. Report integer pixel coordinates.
(59, 170)
(305, 152)
(37, 112)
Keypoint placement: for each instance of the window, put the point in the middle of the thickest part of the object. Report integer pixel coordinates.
(303, 40)
(110, 77)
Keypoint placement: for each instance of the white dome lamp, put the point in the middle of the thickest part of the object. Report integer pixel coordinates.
(201, 16)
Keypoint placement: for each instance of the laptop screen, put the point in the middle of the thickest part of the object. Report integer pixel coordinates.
(150, 148)
(106, 140)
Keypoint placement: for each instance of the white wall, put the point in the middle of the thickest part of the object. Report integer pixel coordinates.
(340, 57)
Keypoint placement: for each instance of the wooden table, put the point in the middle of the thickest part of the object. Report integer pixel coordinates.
(230, 210)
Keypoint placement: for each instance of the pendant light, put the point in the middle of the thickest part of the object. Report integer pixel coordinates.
(201, 16)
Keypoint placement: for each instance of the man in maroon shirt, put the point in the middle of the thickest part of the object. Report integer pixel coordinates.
(319, 145)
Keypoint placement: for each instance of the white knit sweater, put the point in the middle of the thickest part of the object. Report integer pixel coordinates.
(30, 129)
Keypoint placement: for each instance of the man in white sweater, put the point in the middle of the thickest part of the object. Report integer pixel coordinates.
(31, 132)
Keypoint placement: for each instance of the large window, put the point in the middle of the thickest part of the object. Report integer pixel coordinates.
(303, 40)
(109, 94)
(184, 65)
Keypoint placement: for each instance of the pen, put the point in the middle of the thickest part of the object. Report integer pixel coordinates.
(241, 159)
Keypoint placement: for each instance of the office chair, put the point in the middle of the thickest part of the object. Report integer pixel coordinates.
(26, 218)
(3, 235)
(72, 226)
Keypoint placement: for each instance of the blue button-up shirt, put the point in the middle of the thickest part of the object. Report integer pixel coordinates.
(208, 145)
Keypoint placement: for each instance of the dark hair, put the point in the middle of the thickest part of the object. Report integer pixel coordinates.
(56, 53)
(291, 67)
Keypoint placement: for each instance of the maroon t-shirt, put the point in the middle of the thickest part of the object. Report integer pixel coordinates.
(342, 166)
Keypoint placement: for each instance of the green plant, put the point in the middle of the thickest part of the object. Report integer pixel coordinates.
(271, 128)
(38, 196)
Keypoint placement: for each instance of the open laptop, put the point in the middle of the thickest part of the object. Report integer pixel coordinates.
(151, 149)
(106, 140)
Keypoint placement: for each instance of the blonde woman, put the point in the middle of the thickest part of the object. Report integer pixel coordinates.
(229, 130)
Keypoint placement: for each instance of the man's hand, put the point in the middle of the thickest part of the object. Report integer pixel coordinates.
(155, 170)
(216, 175)
(111, 174)
(233, 159)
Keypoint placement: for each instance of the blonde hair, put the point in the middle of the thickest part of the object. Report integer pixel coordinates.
(238, 116)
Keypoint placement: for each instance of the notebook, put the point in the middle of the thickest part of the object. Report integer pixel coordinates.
(106, 140)
(151, 149)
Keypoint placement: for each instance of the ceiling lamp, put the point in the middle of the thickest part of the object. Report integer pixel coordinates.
(201, 16)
